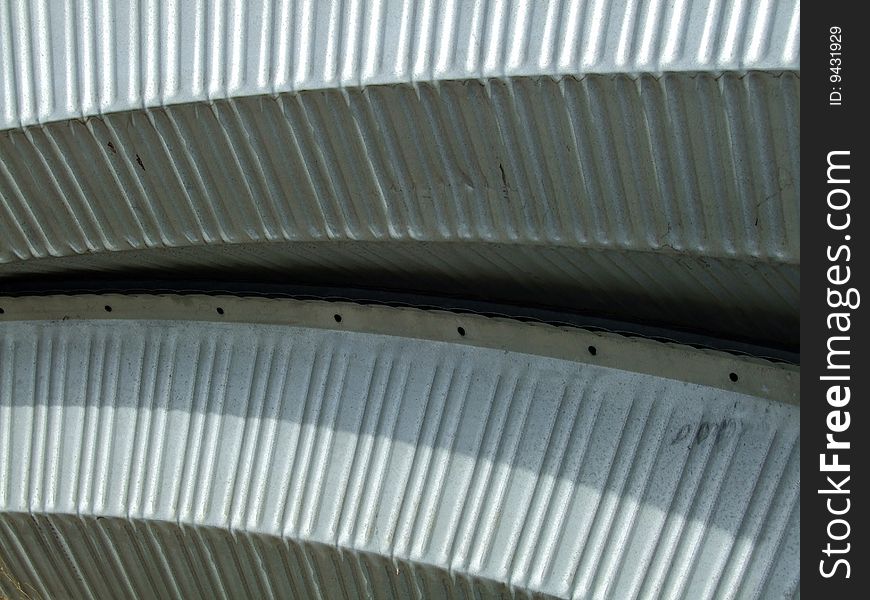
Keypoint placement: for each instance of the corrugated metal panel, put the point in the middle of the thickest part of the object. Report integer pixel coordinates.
(244, 460)
(677, 193)
(499, 133)
(628, 157)
(62, 61)
(601, 162)
(159, 559)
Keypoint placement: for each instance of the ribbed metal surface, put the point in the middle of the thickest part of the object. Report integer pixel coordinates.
(608, 154)
(63, 60)
(346, 462)
(615, 192)
(124, 558)
(603, 162)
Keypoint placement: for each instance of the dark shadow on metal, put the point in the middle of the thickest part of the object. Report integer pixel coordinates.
(395, 298)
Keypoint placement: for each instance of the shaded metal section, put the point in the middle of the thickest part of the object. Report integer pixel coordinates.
(610, 163)
(61, 63)
(672, 199)
(453, 463)
(141, 558)
(536, 312)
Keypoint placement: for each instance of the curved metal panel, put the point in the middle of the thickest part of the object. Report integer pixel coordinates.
(612, 156)
(396, 463)
(62, 63)
(672, 199)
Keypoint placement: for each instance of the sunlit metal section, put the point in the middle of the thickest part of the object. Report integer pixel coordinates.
(307, 455)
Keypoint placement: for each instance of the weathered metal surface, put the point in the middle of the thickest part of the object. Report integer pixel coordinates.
(669, 199)
(627, 158)
(160, 458)
(633, 158)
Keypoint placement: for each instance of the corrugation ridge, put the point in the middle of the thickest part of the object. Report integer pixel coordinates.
(519, 494)
(75, 558)
(28, 226)
(54, 427)
(625, 514)
(555, 533)
(243, 560)
(52, 548)
(279, 580)
(396, 540)
(237, 130)
(758, 500)
(192, 582)
(266, 444)
(419, 461)
(202, 210)
(164, 557)
(212, 426)
(190, 220)
(290, 439)
(322, 445)
(789, 487)
(663, 550)
(155, 487)
(367, 126)
(350, 496)
(217, 576)
(58, 170)
(636, 580)
(133, 554)
(23, 571)
(7, 376)
(780, 557)
(712, 576)
(102, 442)
(292, 571)
(80, 154)
(119, 573)
(463, 506)
(532, 519)
(310, 151)
(255, 225)
(586, 571)
(135, 135)
(244, 397)
(700, 506)
(133, 193)
(487, 446)
(138, 459)
(188, 581)
(172, 202)
(758, 511)
(482, 537)
(29, 445)
(166, 538)
(69, 233)
(243, 496)
(436, 500)
(317, 378)
(331, 136)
